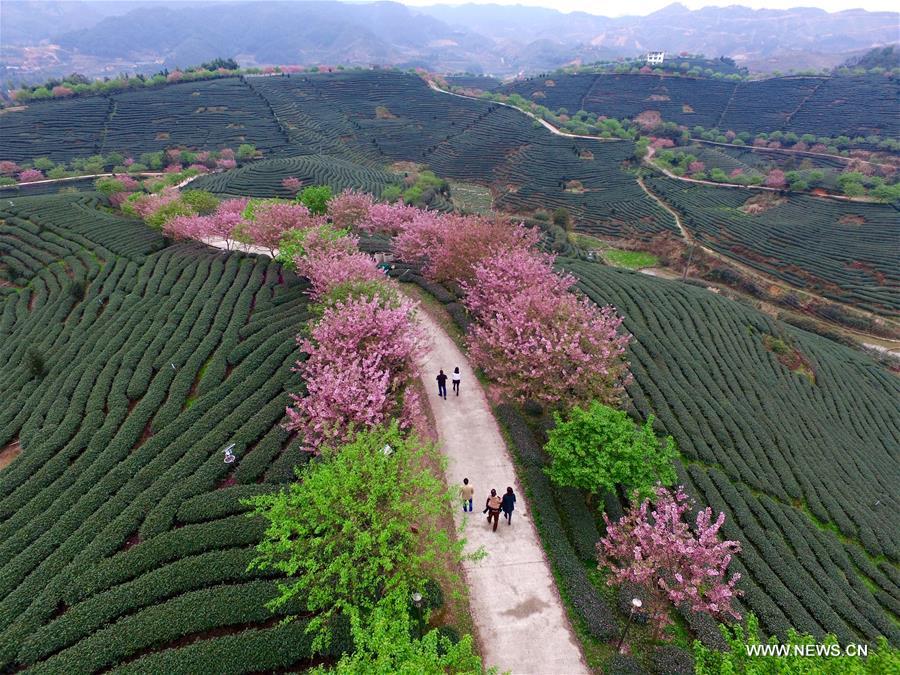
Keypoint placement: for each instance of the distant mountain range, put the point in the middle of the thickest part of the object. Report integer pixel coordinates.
(109, 37)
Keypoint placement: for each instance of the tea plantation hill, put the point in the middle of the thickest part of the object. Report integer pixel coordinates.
(849, 252)
(826, 106)
(207, 115)
(348, 129)
(125, 367)
(367, 118)
(793, 436)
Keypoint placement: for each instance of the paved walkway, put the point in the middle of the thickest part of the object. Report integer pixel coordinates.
(519, 617)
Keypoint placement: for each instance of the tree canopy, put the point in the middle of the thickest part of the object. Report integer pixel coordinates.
(599, 448)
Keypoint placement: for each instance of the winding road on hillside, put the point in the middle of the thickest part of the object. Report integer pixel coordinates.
(519, 618)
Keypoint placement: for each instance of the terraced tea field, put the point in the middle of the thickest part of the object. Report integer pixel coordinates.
(206, 115)
(825, 106)
(844, 251)
(803, 462)
(125, 369)
(263, 178)
(386, 117)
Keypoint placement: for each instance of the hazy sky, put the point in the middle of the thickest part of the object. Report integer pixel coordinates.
(643, 7)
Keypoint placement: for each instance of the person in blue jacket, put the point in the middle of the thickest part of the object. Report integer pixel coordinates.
(508, 504)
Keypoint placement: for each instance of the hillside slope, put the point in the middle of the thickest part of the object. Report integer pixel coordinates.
(794, 437)
(125, 369)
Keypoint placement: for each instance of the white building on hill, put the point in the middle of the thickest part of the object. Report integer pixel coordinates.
(655, 58)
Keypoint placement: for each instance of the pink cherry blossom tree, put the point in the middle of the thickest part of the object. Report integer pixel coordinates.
(451, 246)
(349, 208)
(30, 175)
(292, 184)
(776, 179)
(272, 219)
(508, 273)
(551, 349)
(653, 547)
(387, 218)
(187, 227)
(328, 269)
(8, 168)
(696, 167)
(362, 356)
(146, 205)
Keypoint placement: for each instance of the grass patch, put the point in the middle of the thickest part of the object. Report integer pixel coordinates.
(632, 260)
(471, 197)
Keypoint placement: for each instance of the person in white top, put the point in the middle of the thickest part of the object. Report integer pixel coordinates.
(456, 378)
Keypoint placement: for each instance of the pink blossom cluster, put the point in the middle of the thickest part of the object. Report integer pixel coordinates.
(362, 357)
(30, 175)
(129, 185)
(660, 143)
(350, 208)
(272, 219)
(60, 91)
(776, 179)
(696, 167)
(327, 269)
(9, 168)
(225, 224)
(539, 341)
(451, 246)
(292, 184)
(655, 548)
(388, 219)
(146, 205)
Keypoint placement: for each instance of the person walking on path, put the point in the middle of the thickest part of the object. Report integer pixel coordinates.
(508, 504)
(456, 377)
(467, 492)
(492, 508)
(442, 385)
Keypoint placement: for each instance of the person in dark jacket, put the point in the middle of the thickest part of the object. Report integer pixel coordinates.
(442, 385)
(508, 504)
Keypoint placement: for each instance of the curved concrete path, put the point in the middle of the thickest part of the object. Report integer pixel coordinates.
(519, 617)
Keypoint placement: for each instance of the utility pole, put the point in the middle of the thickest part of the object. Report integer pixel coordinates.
(688, 263)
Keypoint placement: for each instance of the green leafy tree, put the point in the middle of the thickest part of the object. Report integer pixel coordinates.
(738, 659)
(391, 193)
(600, 448)
(385, 643)
(108, 186)
(201, 201)
(561, 218)
(246, 151)
(315, 198)
(362, 521)
(165, 213)
(58, 171)
(43, 163)
(293, 244)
